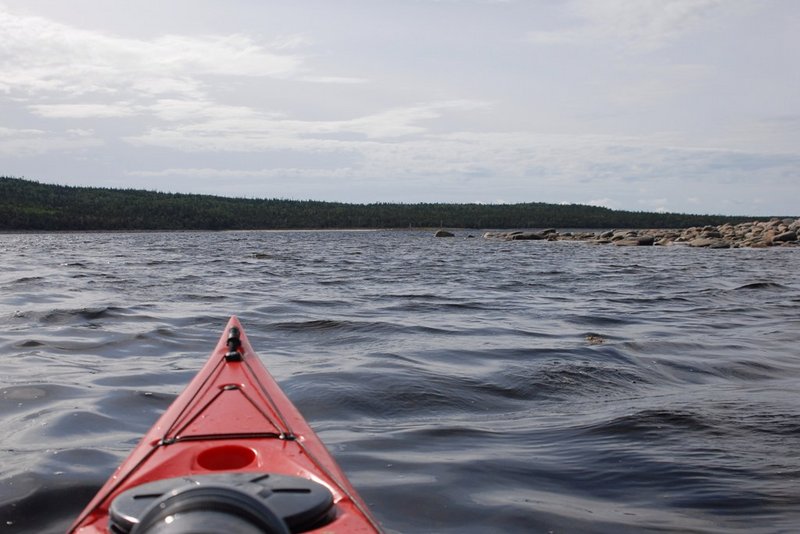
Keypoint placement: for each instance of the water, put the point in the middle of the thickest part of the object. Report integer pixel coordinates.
(464, 385)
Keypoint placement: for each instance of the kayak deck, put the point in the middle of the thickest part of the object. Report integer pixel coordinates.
(232, 418)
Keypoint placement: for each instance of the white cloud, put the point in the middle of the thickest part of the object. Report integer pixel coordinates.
(347, 80)
(649, 85)
(82, 111)
(636, 25)
(24, 132)
(40, 56)
(240, 129)
(21, 143)
(200, 109)
(291, 42)
(659, 205)
(529, 164)
(283, 172)
(601, 203)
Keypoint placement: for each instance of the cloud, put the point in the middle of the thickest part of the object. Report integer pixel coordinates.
(601, 203)
(283, 172)
(21, 143)
(347, 80)
(635, 25)
(649, 85)
(40, 56)
(207, 126)
(82, 111)
(199, 110)
(528, 163)
(658, 205)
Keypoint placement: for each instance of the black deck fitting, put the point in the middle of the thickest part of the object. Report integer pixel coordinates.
(233, 356)
(234, 343)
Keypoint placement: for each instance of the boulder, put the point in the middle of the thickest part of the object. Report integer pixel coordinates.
(444, 233)
(709, 243)
(636, 241)
(785, 237)
(529, 236)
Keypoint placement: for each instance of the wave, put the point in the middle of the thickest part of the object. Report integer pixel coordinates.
(761, 285)
(68, 316)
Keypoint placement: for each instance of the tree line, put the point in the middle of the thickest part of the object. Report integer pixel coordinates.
(30, 205)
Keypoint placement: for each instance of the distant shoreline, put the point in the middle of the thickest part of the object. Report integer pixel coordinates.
(30, 206)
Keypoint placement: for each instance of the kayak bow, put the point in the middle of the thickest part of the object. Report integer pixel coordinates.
(232, 453)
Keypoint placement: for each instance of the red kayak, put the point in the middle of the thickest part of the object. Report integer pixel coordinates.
(231, 454)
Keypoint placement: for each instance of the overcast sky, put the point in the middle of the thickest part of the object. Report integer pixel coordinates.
(657, 105)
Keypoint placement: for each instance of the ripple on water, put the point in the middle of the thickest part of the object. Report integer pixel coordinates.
(466, 386)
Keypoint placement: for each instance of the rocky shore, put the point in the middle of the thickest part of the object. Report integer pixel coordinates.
(755, 234)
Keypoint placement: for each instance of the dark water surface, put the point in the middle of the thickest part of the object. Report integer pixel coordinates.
(464, 385)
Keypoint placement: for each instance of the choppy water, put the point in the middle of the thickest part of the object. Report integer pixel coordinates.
(464, 385)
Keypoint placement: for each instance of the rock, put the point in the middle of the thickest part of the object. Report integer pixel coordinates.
(443, 233)
(527, 236)
(709, 242)
(636, 241)
(595, 339)
(785, 237)
(756, 234)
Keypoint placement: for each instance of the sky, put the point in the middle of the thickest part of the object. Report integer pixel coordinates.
(686, 106)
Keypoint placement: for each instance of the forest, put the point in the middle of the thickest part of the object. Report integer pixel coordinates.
(30, 205)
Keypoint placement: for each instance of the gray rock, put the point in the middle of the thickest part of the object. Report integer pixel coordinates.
(444, 233)
(527, 236)
(636, 241)
(785, 237)
(709, 242)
